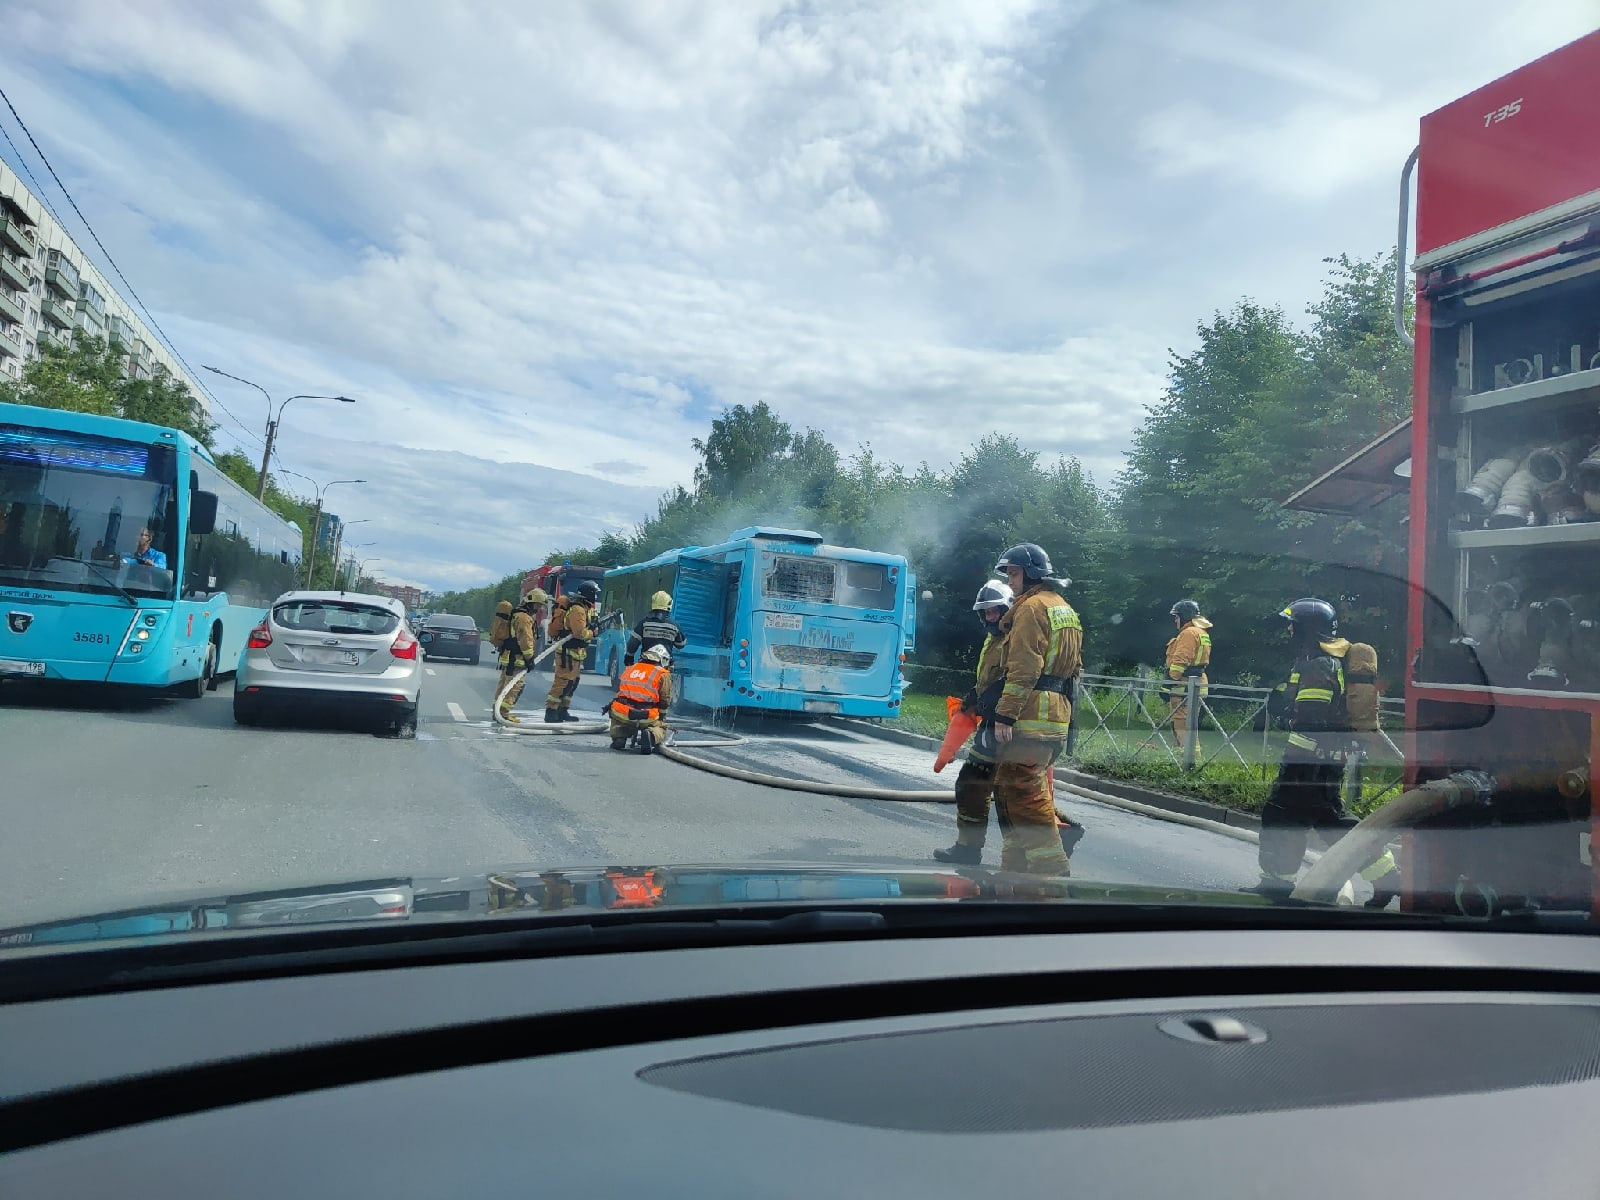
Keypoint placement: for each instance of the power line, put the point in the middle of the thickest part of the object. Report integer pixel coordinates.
(154, 324)
(28, 171)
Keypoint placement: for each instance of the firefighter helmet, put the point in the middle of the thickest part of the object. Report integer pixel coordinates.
(1312, 616)
(1033, 562)
(503, 609)
(661, 602)
(660, 655)
(589, 590)
(534, 596)
(994, 594)
(1185, 610)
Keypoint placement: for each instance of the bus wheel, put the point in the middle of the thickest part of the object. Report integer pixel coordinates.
(214, 677)
(614, 669)
(208, 675)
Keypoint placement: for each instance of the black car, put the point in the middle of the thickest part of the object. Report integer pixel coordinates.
(446, 636)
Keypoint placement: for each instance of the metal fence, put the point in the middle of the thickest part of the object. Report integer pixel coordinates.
(1127, 722)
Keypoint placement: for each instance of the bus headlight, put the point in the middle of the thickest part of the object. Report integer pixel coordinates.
(143, 635)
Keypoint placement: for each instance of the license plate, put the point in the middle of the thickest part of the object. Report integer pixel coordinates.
(822, 706)
(331, 658)
(783, 620)
(16, 666)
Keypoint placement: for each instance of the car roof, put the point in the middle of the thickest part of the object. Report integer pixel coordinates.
(385, 602)
(452, 618)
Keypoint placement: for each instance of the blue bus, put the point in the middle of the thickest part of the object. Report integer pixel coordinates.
(776, 621)
(81, 498)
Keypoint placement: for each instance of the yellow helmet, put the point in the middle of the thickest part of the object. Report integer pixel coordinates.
(661, 602)
(503, 609)
(536, 596)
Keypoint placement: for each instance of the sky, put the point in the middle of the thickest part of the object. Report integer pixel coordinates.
(543, 245)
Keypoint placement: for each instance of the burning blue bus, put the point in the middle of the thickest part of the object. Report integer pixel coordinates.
(776, 621)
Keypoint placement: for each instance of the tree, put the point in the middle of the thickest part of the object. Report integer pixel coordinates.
(86, 376)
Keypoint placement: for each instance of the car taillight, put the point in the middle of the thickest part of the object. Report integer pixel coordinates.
(405, 646)
(260, 637)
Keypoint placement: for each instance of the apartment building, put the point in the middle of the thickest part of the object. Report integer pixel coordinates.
(48, 288)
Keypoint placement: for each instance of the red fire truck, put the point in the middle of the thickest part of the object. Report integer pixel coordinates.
(557, 580)
(1504, 617)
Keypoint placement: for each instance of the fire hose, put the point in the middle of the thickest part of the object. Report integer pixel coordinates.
(512, 681)
(1367, 840)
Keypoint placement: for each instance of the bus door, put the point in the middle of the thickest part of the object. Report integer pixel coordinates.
(701, 603)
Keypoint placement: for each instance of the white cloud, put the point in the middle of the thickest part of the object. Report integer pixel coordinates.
(559, 237)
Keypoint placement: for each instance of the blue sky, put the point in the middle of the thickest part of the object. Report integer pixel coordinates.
(545, 243)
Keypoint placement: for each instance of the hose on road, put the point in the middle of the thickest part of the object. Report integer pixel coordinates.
(816, 787)
(565, 726)
(1367, 840)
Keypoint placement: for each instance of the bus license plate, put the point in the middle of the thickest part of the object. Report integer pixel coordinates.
(822, 706)
(783, 620)
(16, 666)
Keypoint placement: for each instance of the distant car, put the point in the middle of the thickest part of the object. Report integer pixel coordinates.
(342, 653)
(444, 635)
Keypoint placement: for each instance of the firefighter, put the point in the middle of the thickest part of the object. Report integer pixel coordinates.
(643, 695)
(657, 629)
(515, 636)
(1188, 656)
(975, 783)
(570, 619)
(1041, 657)
(1307, 792)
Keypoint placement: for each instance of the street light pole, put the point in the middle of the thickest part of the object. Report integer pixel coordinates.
(272, 421)
(316, 525)
(339, 542)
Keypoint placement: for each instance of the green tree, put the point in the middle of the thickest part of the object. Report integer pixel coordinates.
(86, 376)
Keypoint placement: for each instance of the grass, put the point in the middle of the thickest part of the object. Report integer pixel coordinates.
(1124, 748)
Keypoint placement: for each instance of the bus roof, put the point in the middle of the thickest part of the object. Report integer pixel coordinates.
(740, 537)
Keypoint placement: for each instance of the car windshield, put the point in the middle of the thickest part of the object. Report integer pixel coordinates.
(615, 456)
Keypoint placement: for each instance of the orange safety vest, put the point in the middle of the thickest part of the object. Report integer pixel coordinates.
(640, 687)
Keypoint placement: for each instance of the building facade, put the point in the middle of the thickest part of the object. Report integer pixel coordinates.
(48, 288)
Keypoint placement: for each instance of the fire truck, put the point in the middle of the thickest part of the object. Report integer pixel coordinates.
(557, 580)
(1503, 624)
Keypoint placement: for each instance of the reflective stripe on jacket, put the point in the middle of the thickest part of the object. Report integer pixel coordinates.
(1189, 653)
(1318, 723)
(1043, 636)
(643, 685)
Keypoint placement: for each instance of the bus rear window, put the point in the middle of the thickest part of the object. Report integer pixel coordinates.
(828, 581)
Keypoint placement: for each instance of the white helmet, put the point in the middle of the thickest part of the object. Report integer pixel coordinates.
(659, 655)
(994, 594)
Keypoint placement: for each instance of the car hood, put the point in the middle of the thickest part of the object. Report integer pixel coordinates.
(532, 891)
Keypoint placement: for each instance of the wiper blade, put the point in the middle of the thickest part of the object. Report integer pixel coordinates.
(109, 580)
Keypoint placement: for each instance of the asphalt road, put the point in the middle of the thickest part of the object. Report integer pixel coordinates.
(108, 801)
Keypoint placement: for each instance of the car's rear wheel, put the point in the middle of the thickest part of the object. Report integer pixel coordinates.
(404, 726)
(245, 710)
(477, 657)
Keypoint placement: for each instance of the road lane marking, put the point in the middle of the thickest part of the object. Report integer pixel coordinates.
(430, 670)
(455, 710)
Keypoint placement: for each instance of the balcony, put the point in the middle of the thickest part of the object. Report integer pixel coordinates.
(121, 332)
(17, 237)
(49, 337)
(56, 312)
(10, 310)
(63, 280)
(15, 274)
(10, 342)
(92, 300)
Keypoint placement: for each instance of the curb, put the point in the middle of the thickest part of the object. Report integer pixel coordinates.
(1163, 806)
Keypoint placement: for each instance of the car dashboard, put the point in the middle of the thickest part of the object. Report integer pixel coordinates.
(1196, 1063)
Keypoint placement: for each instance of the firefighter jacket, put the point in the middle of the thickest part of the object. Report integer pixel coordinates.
(990, 676)
(1041, 656)
(646, 689)
(523, 637)
(1189, 654)
(658, 629)
(571, 620)
(1319, 724)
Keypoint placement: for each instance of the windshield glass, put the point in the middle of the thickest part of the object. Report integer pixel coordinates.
(620, 456)
(85, 514)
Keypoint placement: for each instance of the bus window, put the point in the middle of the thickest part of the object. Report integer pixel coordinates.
(867, 585)
(795, 578)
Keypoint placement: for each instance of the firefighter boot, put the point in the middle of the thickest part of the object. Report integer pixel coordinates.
(508, 716)
(647, 742)
(960, 854)
(1071, 835)
(552, 716)
(620, 743)
(566, 715)
(1273, 887)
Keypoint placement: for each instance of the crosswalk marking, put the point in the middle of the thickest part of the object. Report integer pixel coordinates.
(455, 710)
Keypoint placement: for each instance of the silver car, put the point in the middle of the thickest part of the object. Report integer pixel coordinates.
(343, 654)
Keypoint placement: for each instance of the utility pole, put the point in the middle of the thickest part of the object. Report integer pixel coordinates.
(316, 525)
(272, 422)
(338, 544)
